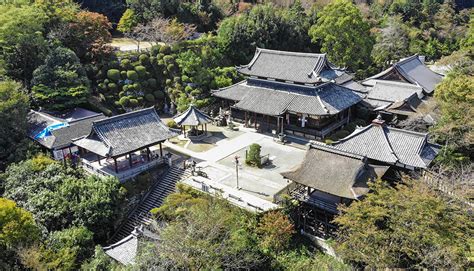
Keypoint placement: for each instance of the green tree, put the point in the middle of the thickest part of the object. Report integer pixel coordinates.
(264, 26)
(17, 229)
(392, 43)
(60, 197)
(127, 22)
(22, 44)
(60, 83)
(76, 240)
(100, 261)
(343, 35)
(14, 105)
(408, 226)
(253, 155)
(455, 95)
(203, 233)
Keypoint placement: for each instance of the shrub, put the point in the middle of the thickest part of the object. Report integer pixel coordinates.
(113, 75)
(126, 64)
(172, 124)
(170, 67)
(158, 94)
(124, 101)
(123, 75)
(165, 49)
(150, 98)
(185, 79)
(152, 83)
(102, 86)
(155, 50)
(143, 58)
(112, 87)
(196, 92)
(122, 94)
(134, 102)
(132, 75)
(141, 71)
(168, 82)
(188, 89)
(253, 156)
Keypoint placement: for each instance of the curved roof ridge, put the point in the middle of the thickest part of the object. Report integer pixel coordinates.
(329, 148)
(272, 51)
(357, 131)
(124, 115)
(408, 131)
(407, 59)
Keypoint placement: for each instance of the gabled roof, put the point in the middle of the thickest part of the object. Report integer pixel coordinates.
(125, 133)
(392, 91)
(335, 172)
(413, 71)
(126, 250)
(274, 98)
(389, 145)
(75, 127)
(291, 66)
(192, 117)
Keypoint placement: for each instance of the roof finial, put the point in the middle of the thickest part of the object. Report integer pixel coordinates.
(378, 120)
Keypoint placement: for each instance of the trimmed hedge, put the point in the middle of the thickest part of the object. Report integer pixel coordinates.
(141, 71)
(150, 98)
(132, 75)
(113, 75)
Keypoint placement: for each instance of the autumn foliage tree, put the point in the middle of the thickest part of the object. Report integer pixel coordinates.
(275, 231)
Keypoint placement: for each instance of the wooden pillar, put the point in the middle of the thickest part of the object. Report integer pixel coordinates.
(130, 160)
(98, 159)
(255, 116)
(115, 163)
(245, 123)
(148, 154)
(184, 131)
(205, 127)
(161, 151)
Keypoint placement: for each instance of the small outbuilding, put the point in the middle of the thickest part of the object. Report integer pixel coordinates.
(194, 119)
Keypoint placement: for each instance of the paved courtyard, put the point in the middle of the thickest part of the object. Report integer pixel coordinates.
(219, 163)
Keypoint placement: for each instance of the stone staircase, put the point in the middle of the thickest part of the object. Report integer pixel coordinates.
(153, 199)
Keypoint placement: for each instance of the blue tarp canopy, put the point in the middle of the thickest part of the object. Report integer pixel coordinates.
(47, 131)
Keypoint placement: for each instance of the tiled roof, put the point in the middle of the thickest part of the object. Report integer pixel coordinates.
(334, 172)
(413, 71)
(290, 66)
(192, 117)
(389, 145)
(274, 98)
(63, 136)
(126, 133)
(392, 91)
(76, 129)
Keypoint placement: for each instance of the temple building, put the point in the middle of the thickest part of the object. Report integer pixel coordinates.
(339, 173)
(326, 178)
(393, 98)
(292, 93)
(122, 145)
(391, 146)
(55, 132)
(409, 70)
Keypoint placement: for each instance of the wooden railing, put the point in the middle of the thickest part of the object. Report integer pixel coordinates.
(304, 132)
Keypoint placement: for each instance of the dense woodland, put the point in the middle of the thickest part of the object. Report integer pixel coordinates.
(55, 55)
